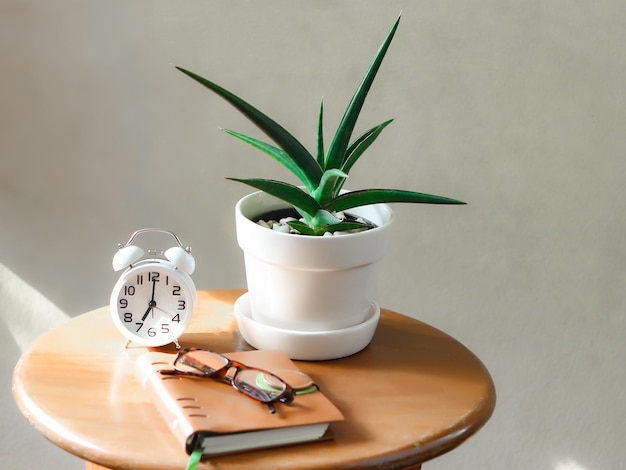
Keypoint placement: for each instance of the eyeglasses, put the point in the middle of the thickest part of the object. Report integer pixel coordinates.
(259, 384)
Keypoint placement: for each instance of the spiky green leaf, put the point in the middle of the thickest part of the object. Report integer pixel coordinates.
(321, 218)
(300, 155)
(279, 155)
(285, 191)
(326, 190)
(304, 229)
(375, 196)
(341, 139)
(301, 227)
(320, 136)
(360, 145)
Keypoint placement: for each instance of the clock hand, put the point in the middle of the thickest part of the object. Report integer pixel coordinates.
(153, 287)
(164, 311)
(152, 303)
(145, 315)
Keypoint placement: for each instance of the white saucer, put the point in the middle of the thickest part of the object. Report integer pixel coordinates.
(306, 345)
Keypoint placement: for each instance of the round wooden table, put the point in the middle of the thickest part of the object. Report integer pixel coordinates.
(414, 393)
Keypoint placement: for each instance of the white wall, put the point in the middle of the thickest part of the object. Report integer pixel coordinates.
(518, 108)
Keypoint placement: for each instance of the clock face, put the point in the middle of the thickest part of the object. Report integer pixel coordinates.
(152, 304)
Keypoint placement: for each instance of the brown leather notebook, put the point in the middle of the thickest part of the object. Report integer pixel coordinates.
(213, 415)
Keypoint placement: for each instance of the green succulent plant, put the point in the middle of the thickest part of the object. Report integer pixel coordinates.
(320, 199)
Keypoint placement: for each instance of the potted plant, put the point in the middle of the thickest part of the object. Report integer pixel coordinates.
(311, 278)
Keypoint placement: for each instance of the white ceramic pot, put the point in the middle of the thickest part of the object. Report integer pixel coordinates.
(308, 284)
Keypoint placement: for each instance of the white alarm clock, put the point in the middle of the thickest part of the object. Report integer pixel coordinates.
(152, 302)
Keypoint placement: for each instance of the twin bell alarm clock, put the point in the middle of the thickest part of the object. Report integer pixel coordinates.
(152, 302)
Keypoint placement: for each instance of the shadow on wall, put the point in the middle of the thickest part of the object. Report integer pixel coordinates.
(25, 312)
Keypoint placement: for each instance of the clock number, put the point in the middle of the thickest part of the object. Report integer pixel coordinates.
(176, 290)
(176, 318)
(129, 290)
(139, 279)
(151, 332)
(181, 305)
(165, 328)
(123, 303)
(128, 317)
(140, 325)
(153, 276)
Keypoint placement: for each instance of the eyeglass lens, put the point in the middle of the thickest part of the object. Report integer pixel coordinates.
(259, 385)
(200, 361)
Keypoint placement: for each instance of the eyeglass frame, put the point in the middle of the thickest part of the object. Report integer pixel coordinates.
(286, 396)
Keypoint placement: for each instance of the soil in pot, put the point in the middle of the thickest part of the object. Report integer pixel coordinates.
(280, 214)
